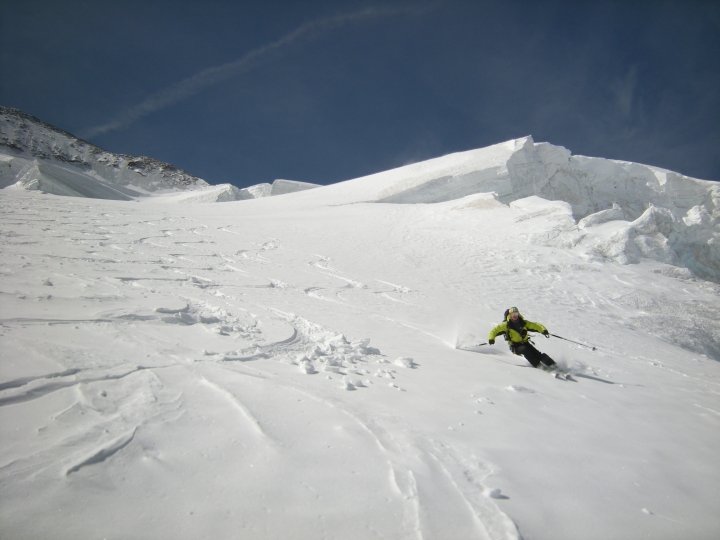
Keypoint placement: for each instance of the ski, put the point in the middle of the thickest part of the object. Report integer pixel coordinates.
(559, 373)
(564, 376)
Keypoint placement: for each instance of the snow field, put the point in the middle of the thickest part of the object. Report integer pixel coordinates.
(230, 371)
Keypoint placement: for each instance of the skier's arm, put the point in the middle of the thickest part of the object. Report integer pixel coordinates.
(498, 330)
(535, 327)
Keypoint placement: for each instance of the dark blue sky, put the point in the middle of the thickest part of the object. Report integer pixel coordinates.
(322, 91)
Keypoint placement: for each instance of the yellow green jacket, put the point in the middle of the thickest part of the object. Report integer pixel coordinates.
(513, 335)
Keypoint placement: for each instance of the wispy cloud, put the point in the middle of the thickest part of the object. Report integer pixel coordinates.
(624, 91)
(215, 75)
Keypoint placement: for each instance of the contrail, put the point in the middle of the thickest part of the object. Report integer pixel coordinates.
(216, 74)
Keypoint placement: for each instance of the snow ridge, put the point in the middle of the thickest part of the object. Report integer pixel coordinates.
(37, 156)
(37, 151)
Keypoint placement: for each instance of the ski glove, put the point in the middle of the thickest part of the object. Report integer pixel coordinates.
(491, 342)
(546, 334)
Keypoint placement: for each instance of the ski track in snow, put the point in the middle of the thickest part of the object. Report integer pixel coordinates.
(237, 404)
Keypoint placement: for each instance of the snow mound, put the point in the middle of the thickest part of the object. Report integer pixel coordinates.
(278, 187)
(209, 194)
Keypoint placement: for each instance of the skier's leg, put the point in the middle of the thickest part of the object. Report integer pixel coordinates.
(545, 359)
(539, 357)
(529, 352)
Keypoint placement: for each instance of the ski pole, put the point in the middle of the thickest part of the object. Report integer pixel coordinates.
(575, 342)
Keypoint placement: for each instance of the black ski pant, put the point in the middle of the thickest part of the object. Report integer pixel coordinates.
(531, 354)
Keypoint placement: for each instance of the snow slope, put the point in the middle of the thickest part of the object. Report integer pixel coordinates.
(652, 213)
(286, 367)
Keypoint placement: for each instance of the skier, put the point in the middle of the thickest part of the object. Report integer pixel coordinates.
(516, 328)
